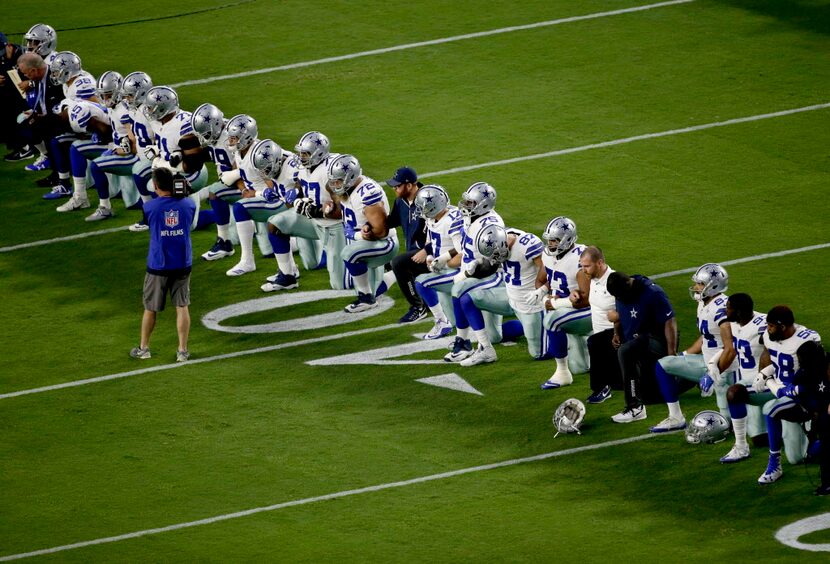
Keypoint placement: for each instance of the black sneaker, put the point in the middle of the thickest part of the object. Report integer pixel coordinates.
(362, 303)
(822, 490)
(600, 396)
(20, 155)
(414, 314)
(48, 181)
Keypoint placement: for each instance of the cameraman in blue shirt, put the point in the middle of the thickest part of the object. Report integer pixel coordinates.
(169, 259)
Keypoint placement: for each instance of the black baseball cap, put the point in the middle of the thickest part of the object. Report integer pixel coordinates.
(403, 175)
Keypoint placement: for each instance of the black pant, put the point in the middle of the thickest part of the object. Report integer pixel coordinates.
(637, 359)
(406, 270)
(605, 366)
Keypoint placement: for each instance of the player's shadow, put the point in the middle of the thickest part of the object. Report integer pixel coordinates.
(804, 14)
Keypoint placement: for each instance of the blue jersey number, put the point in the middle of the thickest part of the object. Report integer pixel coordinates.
(704, 330)
(221, 158)
(784, 366)
(312, 190)
(513, 274)
(436, 242)
(562, 280)
(744, 353)
(349, 217)
(141, 135)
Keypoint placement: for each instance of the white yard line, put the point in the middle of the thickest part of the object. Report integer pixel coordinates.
(313, 340)
(439, 41)
(502, 162)
(326, 497)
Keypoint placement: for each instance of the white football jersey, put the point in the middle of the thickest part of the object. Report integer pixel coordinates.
(287, 178)
(248, 173)
(748, 345)
(169, 135)
(471, 229)
(601, 302)
(144, 130)
(219, 154)
(520, 271)
(562, 271)
(313, 182)
(709, 318)
(49, 58)
(80, 114)
(120, 121)
(447, 233)
(82, 88)
(366, 193)
(783, 353)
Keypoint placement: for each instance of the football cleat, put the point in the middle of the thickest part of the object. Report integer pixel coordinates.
(138, 352)
(630, 414)
(182, 356)
(440, 329)
(41, 163)
(735, 454)
(139, 226)
(773, 471)
(58, 192)
(281, 282)
(73, 204)
(481, 355)
(221, 248)
(362, 303)
(669, 424)
(461, 349)
(414, 314)
(600, 396)
(100, 214)
(241, 268)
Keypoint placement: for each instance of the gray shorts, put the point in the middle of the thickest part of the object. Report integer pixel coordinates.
(156, 288)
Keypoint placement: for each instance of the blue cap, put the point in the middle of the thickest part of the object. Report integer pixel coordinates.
(403, 175)
(3, 40)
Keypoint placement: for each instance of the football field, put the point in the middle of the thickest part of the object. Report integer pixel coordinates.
(672, 133)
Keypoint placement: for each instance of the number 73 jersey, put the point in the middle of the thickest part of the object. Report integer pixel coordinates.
(520, 271)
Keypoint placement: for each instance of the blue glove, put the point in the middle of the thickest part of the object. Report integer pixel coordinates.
(349, 231)
(790, 391)
(290, 196)
(270, 195)
(707, 386)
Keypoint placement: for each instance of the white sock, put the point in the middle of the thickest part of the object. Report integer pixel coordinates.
(674, 410)
(483, 339)
(389, 279)
(246, 240)
(739, 425)
(286, 264)
(361, 283)
(105, 203)
(63, 175)
(464, 333)
(41, 148)
(438, 313)
(562, 365)
(222, 231)
(80, 187)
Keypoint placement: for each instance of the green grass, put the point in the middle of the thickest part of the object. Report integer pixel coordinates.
(173, 446)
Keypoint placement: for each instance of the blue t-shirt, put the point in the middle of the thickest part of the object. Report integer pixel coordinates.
(646, 314)
(169, 220)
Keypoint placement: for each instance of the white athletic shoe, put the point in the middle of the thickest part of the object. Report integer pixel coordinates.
(772, 473)
(440, 329)
(73, 204)
(559, 379)
(669, 424)
(736, 454)
(481, 355)
(630, 414)
(99, 214)
(139, 227)
(241, 268)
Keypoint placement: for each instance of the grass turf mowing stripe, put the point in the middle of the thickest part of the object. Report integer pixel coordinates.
(502, 162)
(439, 41)
(313, 340)
(326, 497)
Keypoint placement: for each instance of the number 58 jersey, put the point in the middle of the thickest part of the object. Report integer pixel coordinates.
(521, 271)
(783, 353)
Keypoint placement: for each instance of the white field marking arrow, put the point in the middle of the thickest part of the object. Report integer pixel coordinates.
(451, 381)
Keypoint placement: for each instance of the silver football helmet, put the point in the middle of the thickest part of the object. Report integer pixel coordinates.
(478, 199)
(108, 88)
(714, 279)
(312, 149)
(41, 39)
(569, 416)
(268, 158)
(491, 243)
(343, 174)
(135, 87)
(66, 66)
(559, 236)
(207, 122)
(431, 200)
(160, 102)
(707, 427)
(242, 131)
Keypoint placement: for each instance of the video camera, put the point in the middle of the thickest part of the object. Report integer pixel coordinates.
(181, 186)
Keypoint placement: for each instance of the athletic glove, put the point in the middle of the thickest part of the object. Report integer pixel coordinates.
(790, 391)
(270, 195)
(439, 262)
(125, 145)
(229, 177)
(707, 386)
(349, 231)
(151, 152)
(760, 383)
(300, 204)
(175, 158)
(290, 196)
(713, 370)
(536, 296)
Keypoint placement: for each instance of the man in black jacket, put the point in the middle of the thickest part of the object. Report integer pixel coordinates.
(11, 103)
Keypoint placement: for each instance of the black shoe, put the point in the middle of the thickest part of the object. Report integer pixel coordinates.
(822, 490)
(414, 314)
(48, 181)
(20, 155)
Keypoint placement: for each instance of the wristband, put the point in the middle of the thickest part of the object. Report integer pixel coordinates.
(560, 302)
